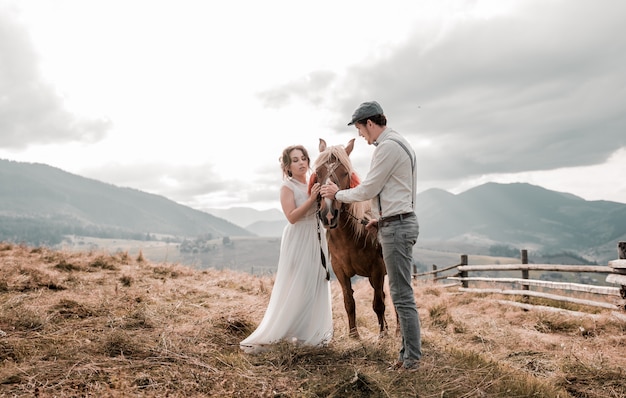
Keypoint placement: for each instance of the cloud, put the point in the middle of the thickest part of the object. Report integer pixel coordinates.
(174, 181)
(481, 89)
(536, 90)
(313, 87)
(31, 111)
(190, 185)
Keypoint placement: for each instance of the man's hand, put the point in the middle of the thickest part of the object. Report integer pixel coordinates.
(372, 225)
(329, 190)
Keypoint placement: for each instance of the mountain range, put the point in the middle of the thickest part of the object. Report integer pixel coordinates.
(249, 218)
(516, 215)
(39, 204)
(524, 216)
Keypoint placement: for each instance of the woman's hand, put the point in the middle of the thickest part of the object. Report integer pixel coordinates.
(315, 191)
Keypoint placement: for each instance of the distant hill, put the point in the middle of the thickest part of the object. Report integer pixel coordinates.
(268, 223)
(523, 216)
(268, 228)
(246, 217)
(39, 203)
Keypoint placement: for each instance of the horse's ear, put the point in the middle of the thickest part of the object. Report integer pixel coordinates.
(350, 147)
(354, 180)
(312, 180)
(322, 145)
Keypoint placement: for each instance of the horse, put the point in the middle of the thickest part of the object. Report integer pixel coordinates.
(353, 249)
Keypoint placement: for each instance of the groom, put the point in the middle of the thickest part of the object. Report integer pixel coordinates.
(391, 185)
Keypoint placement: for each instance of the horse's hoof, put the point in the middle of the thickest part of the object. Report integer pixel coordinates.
(382, 334)
(355, 335)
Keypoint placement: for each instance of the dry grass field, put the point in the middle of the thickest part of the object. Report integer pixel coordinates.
(93, 324)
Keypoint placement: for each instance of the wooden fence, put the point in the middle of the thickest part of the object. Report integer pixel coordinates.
(611, 297)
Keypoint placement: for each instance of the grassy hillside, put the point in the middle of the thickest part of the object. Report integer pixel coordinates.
(77, 324)
(257, 255)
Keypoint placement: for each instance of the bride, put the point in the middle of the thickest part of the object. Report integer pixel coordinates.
(299, 310)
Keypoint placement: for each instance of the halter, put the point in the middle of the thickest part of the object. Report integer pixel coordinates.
(330, 170)
(330, 176)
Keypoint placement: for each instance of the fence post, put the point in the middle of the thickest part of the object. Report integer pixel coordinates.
(621, 255)
(434, 273)
(621, 250)
(464, 273)
(525, 272)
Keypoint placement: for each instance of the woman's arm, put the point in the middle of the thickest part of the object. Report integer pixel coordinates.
(288, 203)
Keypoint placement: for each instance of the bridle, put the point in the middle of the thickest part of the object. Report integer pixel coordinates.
(331, 167)
(331, 175)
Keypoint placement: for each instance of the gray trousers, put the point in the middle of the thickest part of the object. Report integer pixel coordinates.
(397, 239)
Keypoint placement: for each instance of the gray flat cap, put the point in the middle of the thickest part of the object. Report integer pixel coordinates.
(365, 110)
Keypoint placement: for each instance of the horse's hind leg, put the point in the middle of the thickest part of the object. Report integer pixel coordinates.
(378, 303)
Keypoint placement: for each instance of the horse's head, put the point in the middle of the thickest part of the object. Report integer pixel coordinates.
(333, 164)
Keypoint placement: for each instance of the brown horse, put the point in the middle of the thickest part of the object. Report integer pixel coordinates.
(353, 249)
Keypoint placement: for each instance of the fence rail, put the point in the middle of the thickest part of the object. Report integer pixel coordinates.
(611, 297)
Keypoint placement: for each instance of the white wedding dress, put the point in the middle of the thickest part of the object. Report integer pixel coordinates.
(299, 310)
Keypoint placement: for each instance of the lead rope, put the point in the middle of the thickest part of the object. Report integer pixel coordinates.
(319, 238)
(363, 221)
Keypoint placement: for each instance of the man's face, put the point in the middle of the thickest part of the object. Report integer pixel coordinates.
(365, 131)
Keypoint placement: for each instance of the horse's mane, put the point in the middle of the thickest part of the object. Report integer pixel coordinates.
(359, 210)
(339, 152)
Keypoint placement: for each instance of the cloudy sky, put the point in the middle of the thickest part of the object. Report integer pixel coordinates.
(195, 100)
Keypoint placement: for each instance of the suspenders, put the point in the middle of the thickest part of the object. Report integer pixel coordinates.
(380, 210)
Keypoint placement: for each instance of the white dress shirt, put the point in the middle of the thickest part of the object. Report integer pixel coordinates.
(390, 175)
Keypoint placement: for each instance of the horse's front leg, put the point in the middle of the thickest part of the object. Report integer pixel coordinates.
(349, 304)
